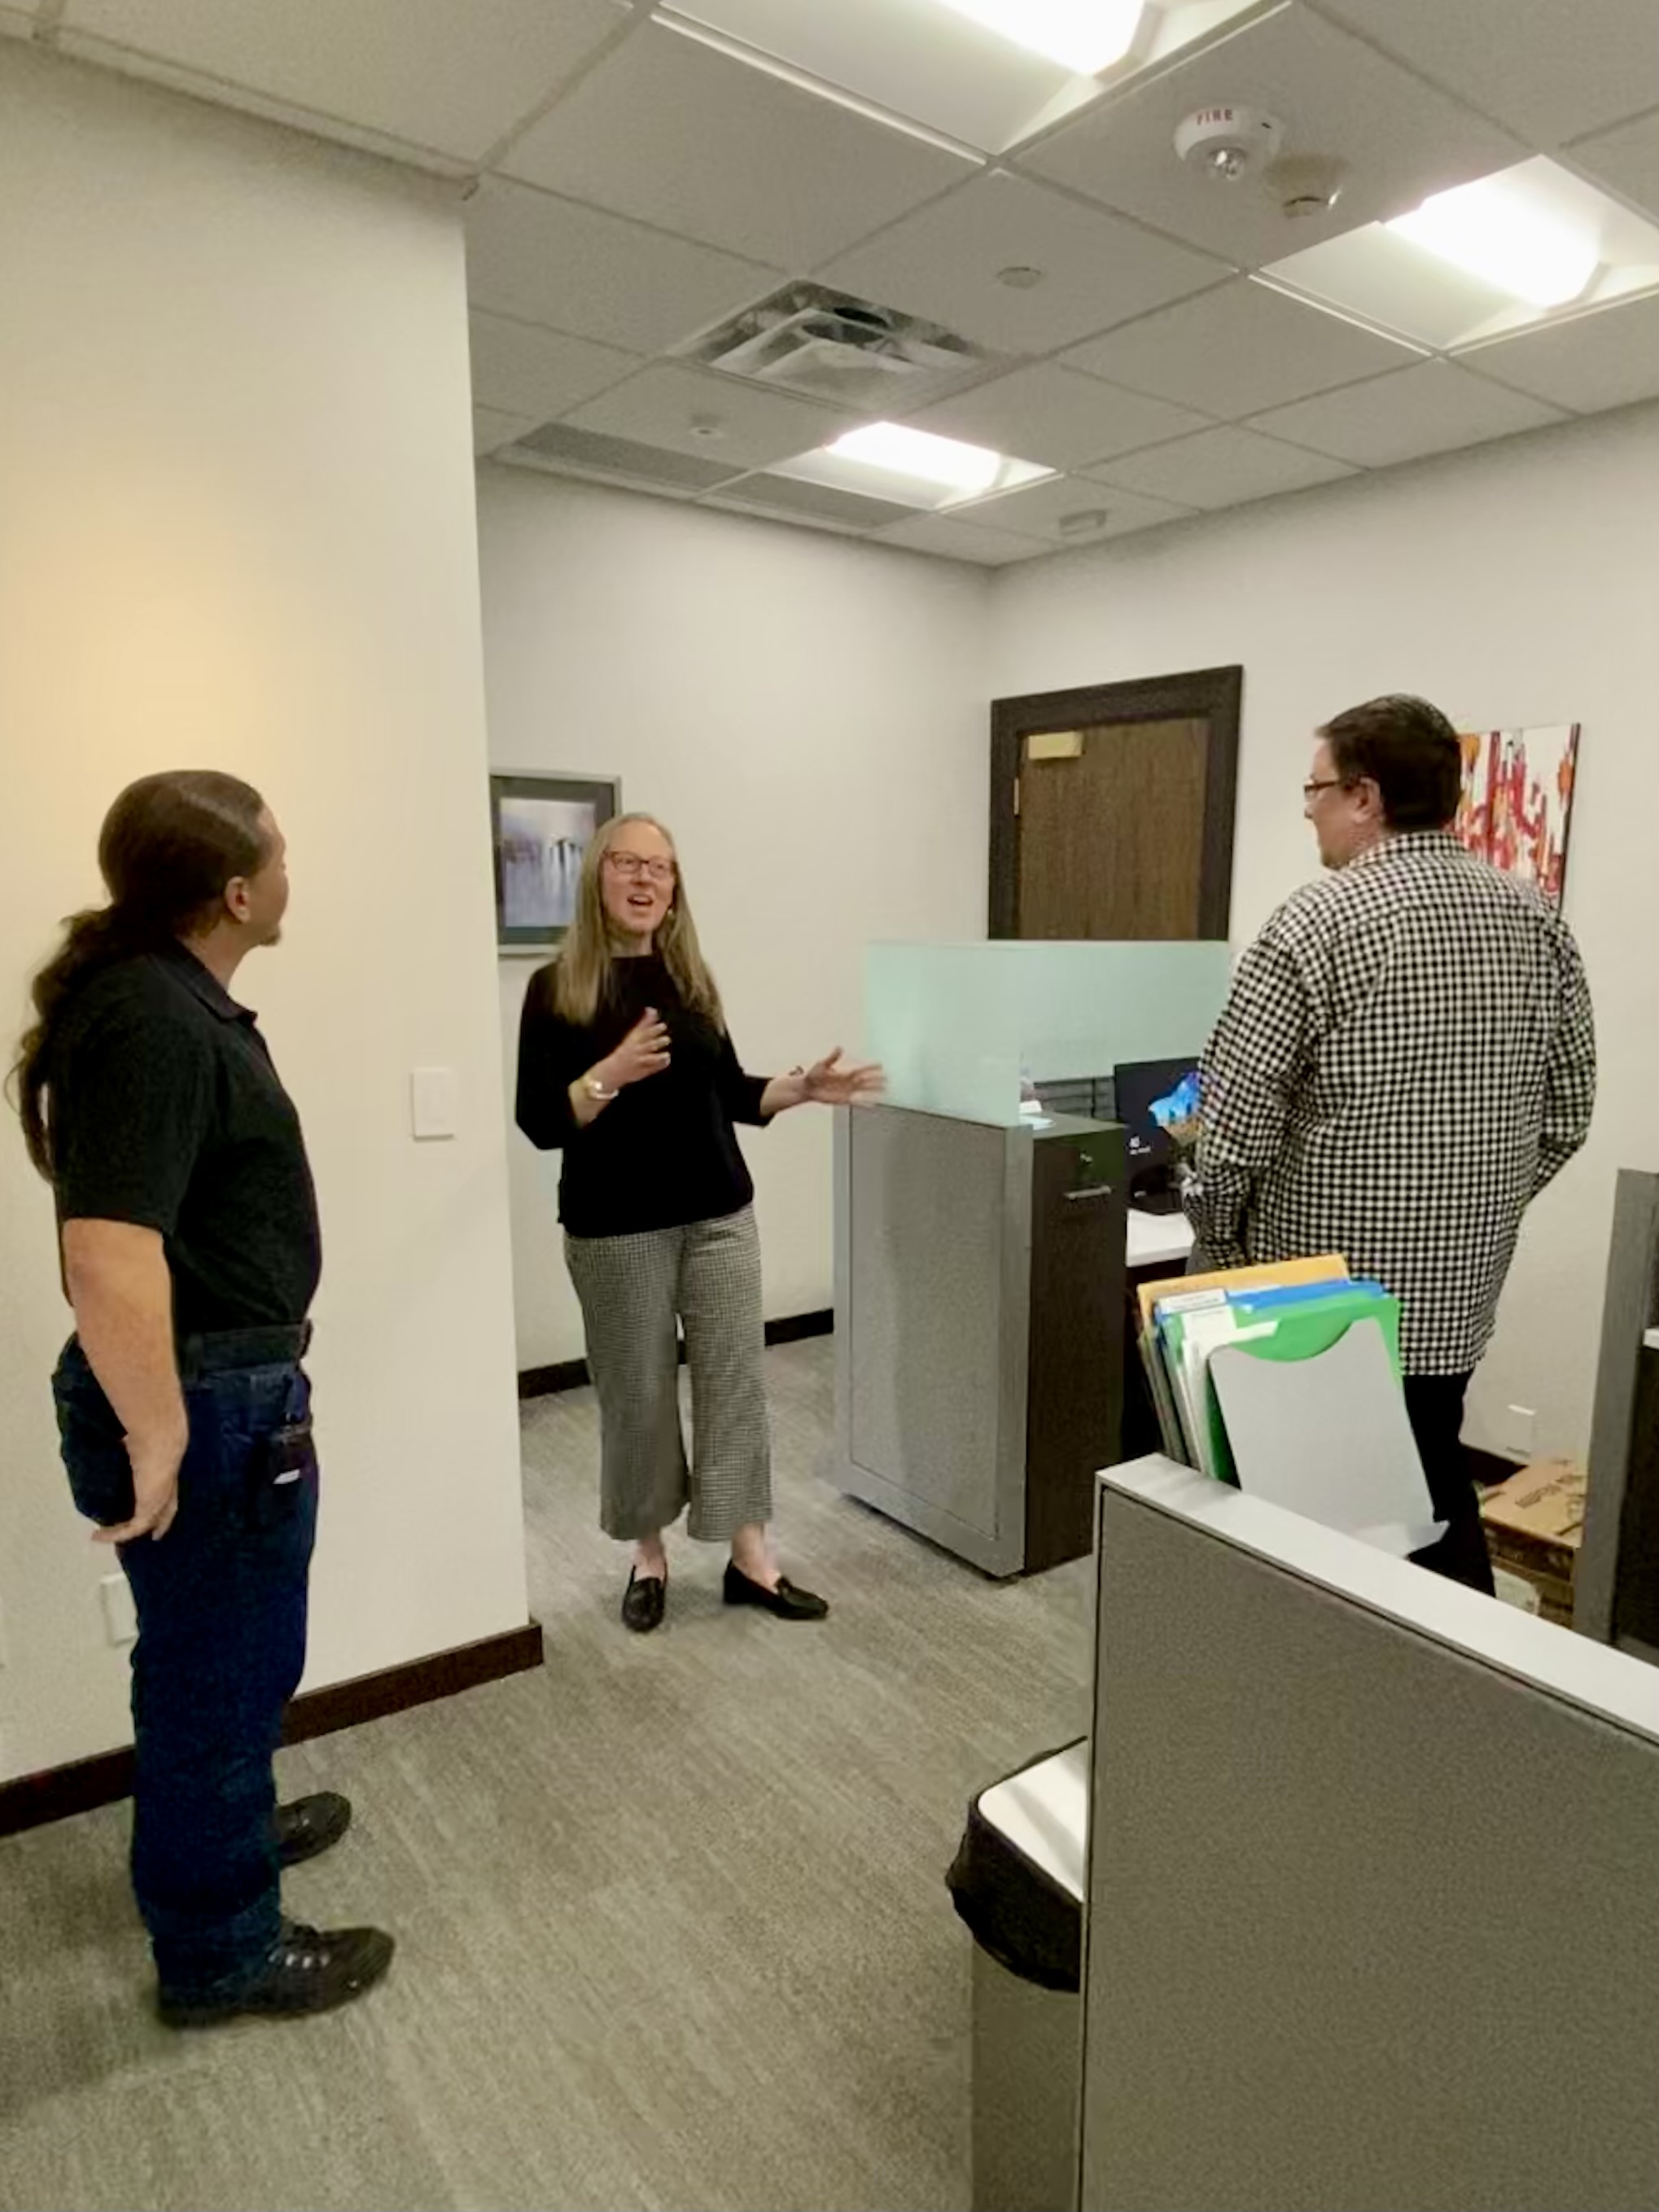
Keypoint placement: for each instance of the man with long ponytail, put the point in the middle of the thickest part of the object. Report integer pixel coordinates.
(188, 1231)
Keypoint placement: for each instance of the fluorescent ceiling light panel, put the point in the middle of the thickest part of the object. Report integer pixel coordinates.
(1495, 232)
(1085, 36)
(1506, 254)
(890, 460)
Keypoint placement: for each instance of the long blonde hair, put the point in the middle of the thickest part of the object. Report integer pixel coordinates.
(582, 975)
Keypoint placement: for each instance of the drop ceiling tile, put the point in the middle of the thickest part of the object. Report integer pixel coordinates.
(1609, 359)
(1222, 468)
(1069, 511)
(437, 73)
(1053, 414)
(669, 131)
(492, 428)
(713, 418)
(951, 540)
(1548, 68)
(943, 262)
(566, 451)
(1433, 408)
(1232, 352)
(547, 260)
(1625, 160)
(16, 23)
(1056, 417)
(1332, 94)
(532, 371)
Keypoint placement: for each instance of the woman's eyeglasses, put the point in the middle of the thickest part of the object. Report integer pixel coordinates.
(635, 864)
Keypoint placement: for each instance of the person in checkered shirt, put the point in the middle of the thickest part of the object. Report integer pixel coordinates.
(1405, 1058)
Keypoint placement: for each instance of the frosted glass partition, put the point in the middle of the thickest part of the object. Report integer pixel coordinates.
(954, 1024)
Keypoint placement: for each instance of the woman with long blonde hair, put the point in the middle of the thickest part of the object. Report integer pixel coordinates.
(625, 1064)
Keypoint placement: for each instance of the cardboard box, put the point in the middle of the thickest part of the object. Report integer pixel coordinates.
(1534, 1524)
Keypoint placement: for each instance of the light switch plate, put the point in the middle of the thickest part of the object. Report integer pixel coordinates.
(432, 1103)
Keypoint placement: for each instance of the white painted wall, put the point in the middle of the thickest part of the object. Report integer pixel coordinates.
(809, 715)
(1517, 583)
(237, 529)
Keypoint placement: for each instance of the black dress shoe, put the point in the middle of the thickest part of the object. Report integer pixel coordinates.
(310, 1825)
(644, 1601)
(309, 1970)
(787, 1602)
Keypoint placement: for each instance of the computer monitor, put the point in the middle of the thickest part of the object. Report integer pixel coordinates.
(1136, 1088)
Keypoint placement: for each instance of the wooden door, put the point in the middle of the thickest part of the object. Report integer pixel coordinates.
(1112, 810)
(1111, 832)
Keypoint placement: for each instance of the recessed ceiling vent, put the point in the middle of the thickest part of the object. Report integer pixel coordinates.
(807, 338)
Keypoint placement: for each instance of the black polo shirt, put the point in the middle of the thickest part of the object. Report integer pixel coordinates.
(166, 1112)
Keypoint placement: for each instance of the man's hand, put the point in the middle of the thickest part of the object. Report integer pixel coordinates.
(154, 1491)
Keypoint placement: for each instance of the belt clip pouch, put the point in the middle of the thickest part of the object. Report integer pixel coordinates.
(284, 1462)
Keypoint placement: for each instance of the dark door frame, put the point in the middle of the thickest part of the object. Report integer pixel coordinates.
(1214, 695)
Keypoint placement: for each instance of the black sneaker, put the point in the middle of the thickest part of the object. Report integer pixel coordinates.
(310, 1826)
(309, 1970)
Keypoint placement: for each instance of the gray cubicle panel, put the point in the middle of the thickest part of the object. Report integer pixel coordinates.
(1373, 1891)
(979, 1339)
(1616, 1587)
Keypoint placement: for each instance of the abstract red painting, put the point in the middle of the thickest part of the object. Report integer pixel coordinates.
(1517, 803)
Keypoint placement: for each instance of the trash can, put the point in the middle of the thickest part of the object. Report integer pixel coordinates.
(1017, 1882)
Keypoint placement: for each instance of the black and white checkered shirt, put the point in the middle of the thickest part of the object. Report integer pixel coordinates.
(1406, 1056)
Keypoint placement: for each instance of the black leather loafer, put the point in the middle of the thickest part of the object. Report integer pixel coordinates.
(644, 1601)
(786, 1602)
(310, 1825)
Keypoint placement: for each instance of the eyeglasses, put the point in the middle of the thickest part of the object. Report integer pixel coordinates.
(635, 864)
(1310, 791)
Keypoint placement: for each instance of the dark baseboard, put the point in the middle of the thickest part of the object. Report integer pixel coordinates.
(572, 1374)
(32, 1799)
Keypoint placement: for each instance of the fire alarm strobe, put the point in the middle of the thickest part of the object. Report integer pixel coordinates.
(1227, 141)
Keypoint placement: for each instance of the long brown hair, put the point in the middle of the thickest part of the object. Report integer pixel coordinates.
(582, 975)
(168, 846)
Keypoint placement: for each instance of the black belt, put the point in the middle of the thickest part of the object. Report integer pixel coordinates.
(216, 1351)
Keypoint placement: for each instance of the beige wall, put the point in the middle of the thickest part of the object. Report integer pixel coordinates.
(809, 715)
(1517, 583)
(236, 529)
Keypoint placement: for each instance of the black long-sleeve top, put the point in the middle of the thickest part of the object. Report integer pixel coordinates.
(664, 1151)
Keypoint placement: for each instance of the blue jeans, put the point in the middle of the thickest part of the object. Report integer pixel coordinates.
(221, 1600)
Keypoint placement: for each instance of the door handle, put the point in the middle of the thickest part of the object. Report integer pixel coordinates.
(1095, 1190)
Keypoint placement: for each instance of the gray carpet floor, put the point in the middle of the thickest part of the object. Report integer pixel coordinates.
(672, 1923)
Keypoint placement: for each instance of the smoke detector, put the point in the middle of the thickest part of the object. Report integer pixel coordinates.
(1305, 184)
(1226, 143)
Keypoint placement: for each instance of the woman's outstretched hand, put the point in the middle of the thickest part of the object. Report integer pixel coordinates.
(831, 1082)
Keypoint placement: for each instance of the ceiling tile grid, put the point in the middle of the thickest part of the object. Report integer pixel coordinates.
(1548, 69)
(532, 371)
(1223, 467)
(592, 275)
(1412, 412)
(1236, 350)
(629, 187)
(433, 73)
(1333, 94)
(674, 133)
(712, 417)
(1609, 359)
(1625, 161)
(1094, 269)
(1050, 414)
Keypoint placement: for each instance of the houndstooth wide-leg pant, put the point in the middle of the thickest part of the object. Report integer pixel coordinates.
(632, 1288)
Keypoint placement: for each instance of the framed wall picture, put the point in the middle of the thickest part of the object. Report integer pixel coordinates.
(541, 826)
(1516, 805)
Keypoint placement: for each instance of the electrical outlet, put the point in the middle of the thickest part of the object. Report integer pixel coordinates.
(120, 1621)
(1520, 1428)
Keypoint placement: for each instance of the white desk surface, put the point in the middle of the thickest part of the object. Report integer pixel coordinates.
(1159, 1240)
